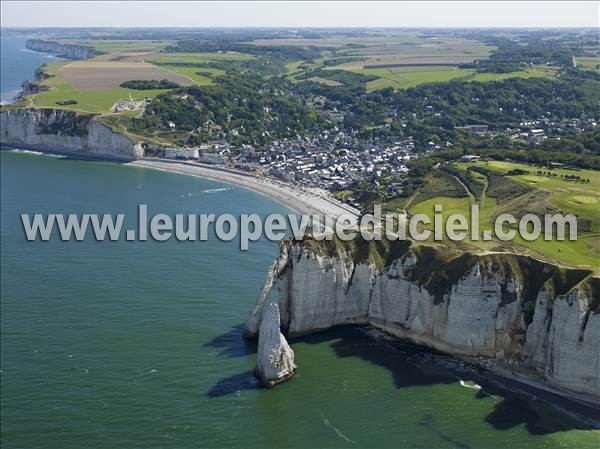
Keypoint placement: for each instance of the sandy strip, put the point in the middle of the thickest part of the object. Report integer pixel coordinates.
(300, 200)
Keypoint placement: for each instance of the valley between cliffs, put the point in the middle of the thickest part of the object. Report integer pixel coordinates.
(506, 312)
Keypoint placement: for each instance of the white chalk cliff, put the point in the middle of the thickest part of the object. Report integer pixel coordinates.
(509, 312)
(275, 359)
(68, 51)
(64, 131)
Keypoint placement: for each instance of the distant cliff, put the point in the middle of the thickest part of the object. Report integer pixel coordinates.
(509, 312)
(64, 131)
(68, 51)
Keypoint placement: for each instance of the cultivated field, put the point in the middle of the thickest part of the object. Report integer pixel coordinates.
(196, 58)
(101, 75)
(88, 100)
(199, 75)
(404, 48)
(192, 64)
(404, 77)
(390, 45)
(401, 60)
(588, 62)
(94, 83)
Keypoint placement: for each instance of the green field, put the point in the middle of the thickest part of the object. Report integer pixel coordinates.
(405, 77)
(533, 72)
(99, 101)
(402, 78)
(293, 68)
(197, 58)
(581, 199)
(588, 62)
(409, 48)
(545, 194)
(102, 100)
(193, 72)
(174, 63)
(393, 47)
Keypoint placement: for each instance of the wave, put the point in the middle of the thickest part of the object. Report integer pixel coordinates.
(35, 153)
(216, 190)
(335, 429)
(16, 150)
(41, 53)
(469, 384)
(10, 97)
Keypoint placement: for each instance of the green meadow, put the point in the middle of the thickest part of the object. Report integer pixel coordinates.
(543, 190)
(102, 100)
(197, 58)
(200, 75)
(405, 77)
(588, 62)
(97, 101)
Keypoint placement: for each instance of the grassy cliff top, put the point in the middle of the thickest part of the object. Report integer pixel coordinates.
(517, 189)
(437, 267)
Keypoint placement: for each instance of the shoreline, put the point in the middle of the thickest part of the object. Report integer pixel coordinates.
(299, 200)
(296, 199)
(582, 408)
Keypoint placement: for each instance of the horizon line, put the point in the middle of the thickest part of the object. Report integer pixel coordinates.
(308, 27)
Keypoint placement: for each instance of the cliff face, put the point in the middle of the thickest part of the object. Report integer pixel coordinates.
(67, 51)
(510, 311)
(64, 131)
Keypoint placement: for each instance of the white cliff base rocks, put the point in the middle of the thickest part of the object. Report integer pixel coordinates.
(64, 131)
(275, 359)
(509, 313)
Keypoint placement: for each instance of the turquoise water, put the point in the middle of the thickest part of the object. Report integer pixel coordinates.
(18, 64)
(138, 344)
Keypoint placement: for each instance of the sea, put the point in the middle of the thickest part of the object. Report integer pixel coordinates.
(139, 344)
(18, 65)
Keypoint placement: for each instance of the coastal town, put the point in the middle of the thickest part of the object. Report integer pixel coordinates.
(335, 160)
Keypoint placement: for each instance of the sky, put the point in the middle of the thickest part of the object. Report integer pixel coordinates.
(299, 14)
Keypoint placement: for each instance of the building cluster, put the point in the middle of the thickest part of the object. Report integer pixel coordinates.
(216, 153)
(535, 132)
(130, 105)
(332, 160)
(335, 159)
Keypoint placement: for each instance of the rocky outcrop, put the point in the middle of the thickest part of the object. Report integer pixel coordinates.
(67, 51)
(30, 88)
(506, 311)
(252, 323)
(65, 132)
(275, 359)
